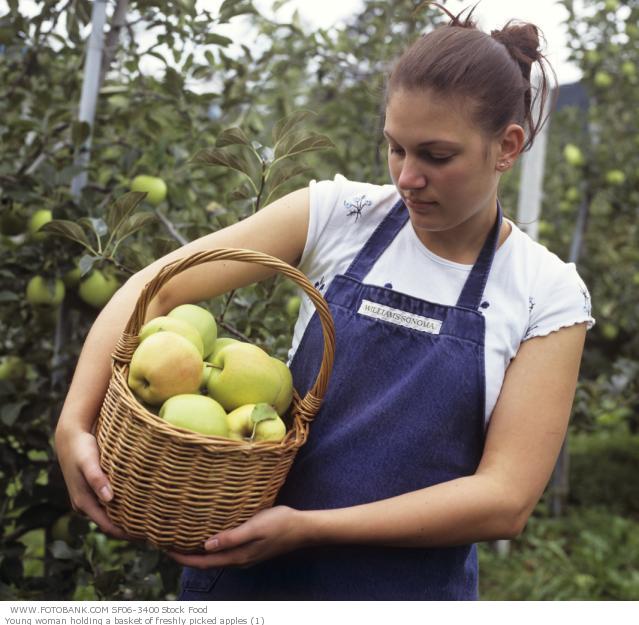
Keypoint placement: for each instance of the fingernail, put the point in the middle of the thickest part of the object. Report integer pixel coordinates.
(106, 494)
(211, 543)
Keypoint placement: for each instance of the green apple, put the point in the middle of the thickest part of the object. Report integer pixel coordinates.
(97, 288)
(163, 324)
(573, 155)
(38, 219)
(45, 292)
(12, 368)
(615, 177)
(256, 422)
(243, 374)
(285, 396)
(293, 305)
(573, 194)
(220, 344)
(163, 365)
(202, 320)
(603, 80)
(609, 331)
(628, 69)
(154, 187)
(195, 412)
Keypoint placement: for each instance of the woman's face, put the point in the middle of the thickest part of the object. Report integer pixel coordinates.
(442, 165)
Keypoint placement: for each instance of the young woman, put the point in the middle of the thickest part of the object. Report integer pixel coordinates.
(458, 348)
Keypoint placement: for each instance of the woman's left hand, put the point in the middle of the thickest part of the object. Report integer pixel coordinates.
(269, 533)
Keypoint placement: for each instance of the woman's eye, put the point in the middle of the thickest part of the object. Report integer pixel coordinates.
(436, 158)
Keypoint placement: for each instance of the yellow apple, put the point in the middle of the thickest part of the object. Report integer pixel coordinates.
(243, 374)
(38, 219)
(256, 422)
(163, 365)
(220, 344)
(197, 413)
(97, 288)
(163, 324)
(285, 396)
(154, 187)
(12, 368)
(45, 292)
(202, 320)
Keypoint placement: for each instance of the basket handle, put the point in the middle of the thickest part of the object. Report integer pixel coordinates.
(128, 341)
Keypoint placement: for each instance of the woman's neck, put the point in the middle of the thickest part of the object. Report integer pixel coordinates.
(463, 243)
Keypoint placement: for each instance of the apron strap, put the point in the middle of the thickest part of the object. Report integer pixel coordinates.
(473, 291)
(385, 232)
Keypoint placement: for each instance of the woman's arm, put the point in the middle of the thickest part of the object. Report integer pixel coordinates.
(523, 441)
(278, 229)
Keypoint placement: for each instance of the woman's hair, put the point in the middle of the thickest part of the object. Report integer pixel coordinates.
(491, 71)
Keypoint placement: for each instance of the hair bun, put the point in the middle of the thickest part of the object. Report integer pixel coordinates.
(522, 40)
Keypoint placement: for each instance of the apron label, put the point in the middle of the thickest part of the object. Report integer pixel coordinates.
(399, 317)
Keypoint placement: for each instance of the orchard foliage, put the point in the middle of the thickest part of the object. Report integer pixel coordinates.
(230, 127)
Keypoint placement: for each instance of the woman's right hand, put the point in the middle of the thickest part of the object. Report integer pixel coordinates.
(87, 484)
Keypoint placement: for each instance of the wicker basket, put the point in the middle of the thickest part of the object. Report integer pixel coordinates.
(175, 488)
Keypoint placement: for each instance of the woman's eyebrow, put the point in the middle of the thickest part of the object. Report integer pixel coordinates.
(424, 144)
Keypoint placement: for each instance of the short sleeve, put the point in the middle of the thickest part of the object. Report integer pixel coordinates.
(560, 299)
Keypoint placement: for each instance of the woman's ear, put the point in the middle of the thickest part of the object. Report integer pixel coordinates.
(510, 146)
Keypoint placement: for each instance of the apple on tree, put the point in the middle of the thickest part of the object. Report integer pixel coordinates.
(197, 413)
(154, 187)
(171, 324)
(97, 288)
(202, 320)
(163, 365)
(12, 368)
(38, 219)
(42, 292)
(255, 422)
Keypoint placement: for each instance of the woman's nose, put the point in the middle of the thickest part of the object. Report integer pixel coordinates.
(410, 176)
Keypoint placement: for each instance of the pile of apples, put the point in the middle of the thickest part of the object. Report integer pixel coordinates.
(214, 386)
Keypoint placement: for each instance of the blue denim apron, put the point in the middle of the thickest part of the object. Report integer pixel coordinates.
(404, 410)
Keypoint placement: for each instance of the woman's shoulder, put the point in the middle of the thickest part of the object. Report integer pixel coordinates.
(349, 200)
(557, 295)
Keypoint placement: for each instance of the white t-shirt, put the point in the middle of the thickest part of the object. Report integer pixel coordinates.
(530, 291)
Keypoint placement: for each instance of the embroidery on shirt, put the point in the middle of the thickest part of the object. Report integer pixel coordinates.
(531, 304)
(587, 302)
(357, 206)
(530, 331)
(320, 284)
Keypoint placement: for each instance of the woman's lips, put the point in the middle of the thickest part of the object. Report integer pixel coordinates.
(417, 204)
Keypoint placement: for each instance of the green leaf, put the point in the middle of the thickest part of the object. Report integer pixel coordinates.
(67, 229)
(135, 222)
(217, 40)
(86, 263)
(216, 156)
(285, 125)
(232, 136)
(243, 192)
(232, 8)
(174, 82)
(119, 211)
(263, 412)
(299, 145)
(97, 224)
(9, 296)
(9, 413)
(61, 551)
(281, 175)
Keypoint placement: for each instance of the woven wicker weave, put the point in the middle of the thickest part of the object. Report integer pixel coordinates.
(175, 488)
